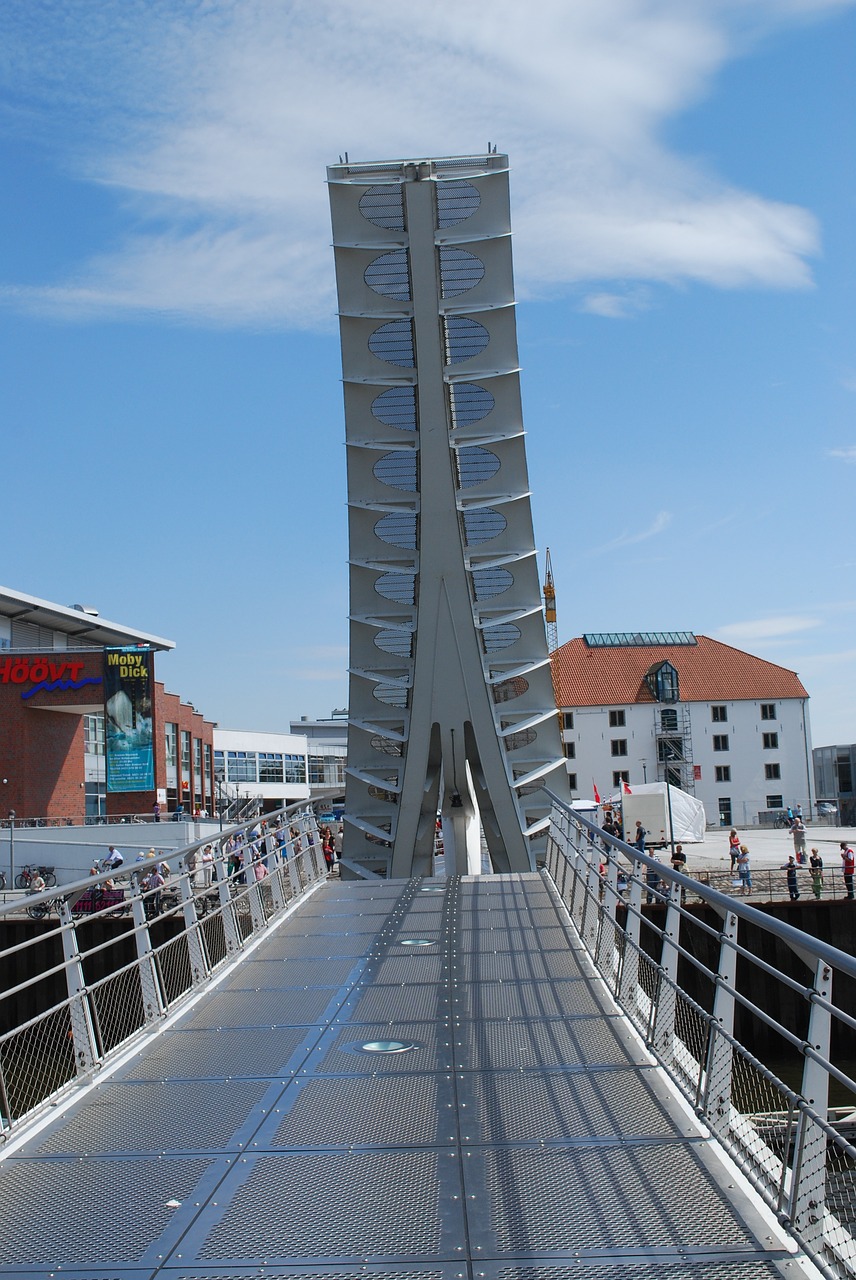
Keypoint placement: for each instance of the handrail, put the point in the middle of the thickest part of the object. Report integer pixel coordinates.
(61, 1019)
(705, 1018)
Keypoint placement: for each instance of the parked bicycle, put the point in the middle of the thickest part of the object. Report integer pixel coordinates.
(24, 878)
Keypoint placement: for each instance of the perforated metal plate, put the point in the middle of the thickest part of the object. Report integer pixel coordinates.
(294, 972)
(287, 1008)
(573, 997)
(519, 966)
(396, 1004)
(560, 1106)
(629, 1268)
(304, 947)
(414, 968)
(502, 938)
(342, 1205)
(114, 1209)
(140, 1117)
(220, 1052)
(579, 1042)
(385, 1110)
(576, 1198)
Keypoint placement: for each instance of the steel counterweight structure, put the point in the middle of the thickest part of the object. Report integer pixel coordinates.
(452, 706)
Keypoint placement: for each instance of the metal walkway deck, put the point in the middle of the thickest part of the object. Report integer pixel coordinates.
(517, 1129)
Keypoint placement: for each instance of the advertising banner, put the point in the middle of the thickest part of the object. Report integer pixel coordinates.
(128, 719)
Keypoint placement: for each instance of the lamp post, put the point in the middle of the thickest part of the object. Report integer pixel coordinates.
(11, 847)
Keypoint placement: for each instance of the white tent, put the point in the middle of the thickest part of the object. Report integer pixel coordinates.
(647, 802)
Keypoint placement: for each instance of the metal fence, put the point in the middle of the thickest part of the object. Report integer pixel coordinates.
(748, 1016)
(120, 951)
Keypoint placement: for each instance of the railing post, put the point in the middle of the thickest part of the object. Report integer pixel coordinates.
(82, 1027)
(628, 983)
(231, 932)
(808, 1186)
(664, 1017)
(199, 966)
(150, 991)
(716, 1097)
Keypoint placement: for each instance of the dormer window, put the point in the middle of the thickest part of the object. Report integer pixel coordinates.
(662, 680)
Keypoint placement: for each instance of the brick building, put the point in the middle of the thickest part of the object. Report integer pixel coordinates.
(54, 682)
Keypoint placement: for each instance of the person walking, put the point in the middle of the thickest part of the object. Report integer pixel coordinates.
(733, 848)
(815, 866)
(790, 870)
(848, 867)
(744, 870)
(798, 833)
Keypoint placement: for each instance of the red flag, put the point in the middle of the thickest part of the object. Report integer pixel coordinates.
(594, 789)
(625, 788)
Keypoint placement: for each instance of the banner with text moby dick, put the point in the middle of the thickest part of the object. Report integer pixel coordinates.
(128, 719)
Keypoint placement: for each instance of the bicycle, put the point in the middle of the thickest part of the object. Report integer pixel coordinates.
(25, 876)
(781, 821)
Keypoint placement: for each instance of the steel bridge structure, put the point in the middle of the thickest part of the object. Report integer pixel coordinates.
(522, 1075)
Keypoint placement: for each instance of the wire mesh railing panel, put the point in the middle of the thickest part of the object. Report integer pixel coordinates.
(110, 955)
(35, 1062)
(840, 1219)
(213, 933)
(742, 1010)
(118, 1008)
(174, 969)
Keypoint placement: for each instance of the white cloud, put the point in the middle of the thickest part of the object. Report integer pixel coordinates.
(615, 306)
(847, 454)
(214, 125)
(661, 522)
(765, 628)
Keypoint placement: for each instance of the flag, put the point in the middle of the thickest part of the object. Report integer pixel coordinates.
(594, 789)
(625, 789)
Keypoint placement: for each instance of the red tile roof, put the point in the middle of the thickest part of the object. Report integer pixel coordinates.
(707, 672)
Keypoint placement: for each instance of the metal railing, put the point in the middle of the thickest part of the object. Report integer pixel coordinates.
(749, 1016)
(119, 952)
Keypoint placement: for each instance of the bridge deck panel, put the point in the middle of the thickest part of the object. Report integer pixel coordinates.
(525, 1135)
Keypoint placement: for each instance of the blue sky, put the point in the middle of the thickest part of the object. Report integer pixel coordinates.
(683, 186)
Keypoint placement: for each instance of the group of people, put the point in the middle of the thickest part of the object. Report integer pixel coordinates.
(739, 854)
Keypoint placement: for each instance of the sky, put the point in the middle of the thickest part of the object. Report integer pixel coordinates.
(683, 186)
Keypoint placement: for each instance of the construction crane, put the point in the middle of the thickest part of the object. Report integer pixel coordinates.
(550, 606)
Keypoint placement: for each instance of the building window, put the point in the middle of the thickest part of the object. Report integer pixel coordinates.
(93, 735)
(185, 753)
(571, 750)
(208, 768)
(241, 766)
(772, 772)
(572, 781)
(616, 719)
(771, 741)
(768, 710)
(723, 773)
(720, 742)
(197, 757)
(326, 771)
(567, 719)
(774, 802)
(618, 746)
(670, 749)
(171, 744)
(668, 720)
(844, 774)
(295, 768)
(724, 811)
(719, 714)
(619, 776)
(219, 766)
(270, 767)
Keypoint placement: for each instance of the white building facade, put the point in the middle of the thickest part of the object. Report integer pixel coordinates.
(728, 727)
(278, 768)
